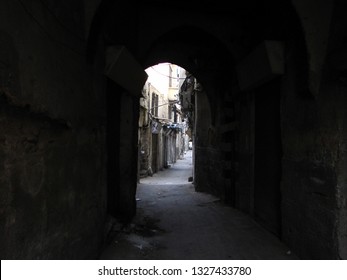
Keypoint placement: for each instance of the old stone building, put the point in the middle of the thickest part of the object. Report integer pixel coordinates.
(270, 119)
(161, 129)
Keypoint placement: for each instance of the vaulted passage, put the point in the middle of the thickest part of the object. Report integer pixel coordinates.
(269, 126)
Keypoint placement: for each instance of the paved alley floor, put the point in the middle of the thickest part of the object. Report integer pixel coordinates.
(174, 222)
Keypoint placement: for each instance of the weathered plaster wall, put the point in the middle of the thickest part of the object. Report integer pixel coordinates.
(52, 151)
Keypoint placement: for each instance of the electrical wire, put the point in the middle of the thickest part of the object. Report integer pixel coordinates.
(168, 76)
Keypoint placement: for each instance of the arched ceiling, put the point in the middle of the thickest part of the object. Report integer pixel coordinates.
(200, 53)
(207, 38)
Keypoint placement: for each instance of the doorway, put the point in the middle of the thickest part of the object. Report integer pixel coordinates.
(267, 157)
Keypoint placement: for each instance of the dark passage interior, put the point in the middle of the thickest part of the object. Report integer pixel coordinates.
(174, 222)
(269, 118)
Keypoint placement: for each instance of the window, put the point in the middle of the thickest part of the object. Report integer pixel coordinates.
(170, 76)
(155, 100)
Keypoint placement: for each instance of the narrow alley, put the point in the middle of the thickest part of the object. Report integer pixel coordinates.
(176, 222)
(91, 141)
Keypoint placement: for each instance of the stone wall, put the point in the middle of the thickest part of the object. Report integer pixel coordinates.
(52, 143)
(310, 118)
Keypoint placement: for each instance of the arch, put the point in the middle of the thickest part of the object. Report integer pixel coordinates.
(211, 55)
(200, 53)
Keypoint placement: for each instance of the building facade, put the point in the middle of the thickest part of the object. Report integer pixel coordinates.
(162, 130)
